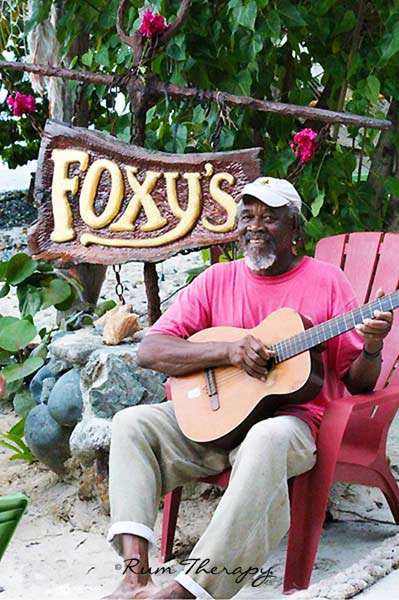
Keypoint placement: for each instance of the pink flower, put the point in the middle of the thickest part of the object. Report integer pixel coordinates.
(304, 144)
(152, 23)
(21, 104)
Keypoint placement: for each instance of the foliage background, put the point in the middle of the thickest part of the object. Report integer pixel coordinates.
(335, 54)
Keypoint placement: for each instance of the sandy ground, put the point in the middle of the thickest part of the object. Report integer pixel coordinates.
(59, 550)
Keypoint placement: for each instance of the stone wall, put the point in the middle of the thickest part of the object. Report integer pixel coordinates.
(80, 389)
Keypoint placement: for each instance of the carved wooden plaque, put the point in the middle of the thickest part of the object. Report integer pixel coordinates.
(107, 202)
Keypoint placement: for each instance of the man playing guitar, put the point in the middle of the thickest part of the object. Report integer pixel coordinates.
(150, 456)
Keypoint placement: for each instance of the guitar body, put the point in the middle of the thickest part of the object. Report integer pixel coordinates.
(242, 399)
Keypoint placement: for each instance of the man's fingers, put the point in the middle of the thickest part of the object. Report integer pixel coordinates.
(254, 373)
(260, 349)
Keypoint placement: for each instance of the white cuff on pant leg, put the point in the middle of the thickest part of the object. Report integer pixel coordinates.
(193, 587)
(133, 528)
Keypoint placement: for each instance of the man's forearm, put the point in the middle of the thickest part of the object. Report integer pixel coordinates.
(176, 356)
(363, 373)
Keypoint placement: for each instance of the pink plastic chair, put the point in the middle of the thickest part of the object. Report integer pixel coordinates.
(353, 433)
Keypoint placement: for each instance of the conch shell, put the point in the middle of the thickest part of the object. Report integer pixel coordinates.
(119, 323)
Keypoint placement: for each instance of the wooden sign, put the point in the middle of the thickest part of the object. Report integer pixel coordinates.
(107, 202)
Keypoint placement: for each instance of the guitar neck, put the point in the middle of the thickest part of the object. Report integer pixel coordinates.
(318, 334)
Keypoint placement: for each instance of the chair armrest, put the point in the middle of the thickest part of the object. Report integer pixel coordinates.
(338, 412)
(370, 400)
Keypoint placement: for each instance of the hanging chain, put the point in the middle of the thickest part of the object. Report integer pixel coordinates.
(119, 289)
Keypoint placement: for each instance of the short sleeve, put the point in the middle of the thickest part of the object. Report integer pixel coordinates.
(191, 312)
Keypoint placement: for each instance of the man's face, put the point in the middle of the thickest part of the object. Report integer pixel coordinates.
(265, 233)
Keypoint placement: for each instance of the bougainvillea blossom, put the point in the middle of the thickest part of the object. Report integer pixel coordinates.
(21, 104)
(152, 23)
(304, 144)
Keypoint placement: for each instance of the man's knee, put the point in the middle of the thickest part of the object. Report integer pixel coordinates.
(130, 419)
(270, 432)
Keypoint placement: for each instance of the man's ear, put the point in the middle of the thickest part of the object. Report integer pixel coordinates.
(295, 223)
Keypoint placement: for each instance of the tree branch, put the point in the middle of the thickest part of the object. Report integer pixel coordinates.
(293, 110)
(178, 22)
(85, 76)
(136, 40)
(158, 87)
(355, 45)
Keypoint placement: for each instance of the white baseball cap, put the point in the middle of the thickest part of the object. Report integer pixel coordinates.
(273, 192)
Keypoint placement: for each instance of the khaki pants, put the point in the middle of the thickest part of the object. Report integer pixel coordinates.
(150, 457)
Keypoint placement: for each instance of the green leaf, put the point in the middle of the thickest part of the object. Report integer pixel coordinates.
(40, 11)
(175, 51)
(324, 6)
(273, 24)
(7, 445)
(392, 185)
(20, 267)
(55, 292)
(347, 23)
(4, 357)
(291, 14)
(20, 371)
(193, 273)
(372, 89)
(3, 270)
(23, 402)
(104, 307)
(317, 204)
(248, 14)
(4, 290)
(390, 43)
(44, 267)
(30, 299)
(27, 456)
(17, 335)
(87, 58)
(12, 388)
(102, 57)
(244, 82)
(41, 351)
(18, 428)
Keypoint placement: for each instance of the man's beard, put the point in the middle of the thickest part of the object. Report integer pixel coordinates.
(259, 258)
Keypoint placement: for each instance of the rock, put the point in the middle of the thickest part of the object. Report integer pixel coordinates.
(74, 350)
(111, 381)
(65, 400)
(36, 384)
(89, 435)
(48, 385)
(48, 440)
(56, 367)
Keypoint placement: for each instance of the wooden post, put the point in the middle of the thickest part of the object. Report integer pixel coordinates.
(152, 291)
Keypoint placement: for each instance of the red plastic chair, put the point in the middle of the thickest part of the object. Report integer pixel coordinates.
(353, 432)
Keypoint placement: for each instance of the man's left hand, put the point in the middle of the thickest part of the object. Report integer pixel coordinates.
(375, 330)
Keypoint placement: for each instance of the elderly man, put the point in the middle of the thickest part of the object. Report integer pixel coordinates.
(149, 454)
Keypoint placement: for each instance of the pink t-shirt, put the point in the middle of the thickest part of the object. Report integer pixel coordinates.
(230, 294)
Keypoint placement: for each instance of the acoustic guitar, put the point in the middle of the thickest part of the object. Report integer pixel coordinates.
(220, 405)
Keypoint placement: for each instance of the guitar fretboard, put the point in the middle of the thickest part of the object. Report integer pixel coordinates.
(318, 334)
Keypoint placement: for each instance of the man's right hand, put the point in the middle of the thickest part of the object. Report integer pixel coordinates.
(250, 354)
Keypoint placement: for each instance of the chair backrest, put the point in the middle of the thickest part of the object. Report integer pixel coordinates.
(370, 261)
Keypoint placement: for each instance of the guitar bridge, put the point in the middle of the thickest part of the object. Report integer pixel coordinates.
(211, 388)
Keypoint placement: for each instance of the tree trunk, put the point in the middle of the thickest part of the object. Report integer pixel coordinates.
(384, 164)
(75, 111)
